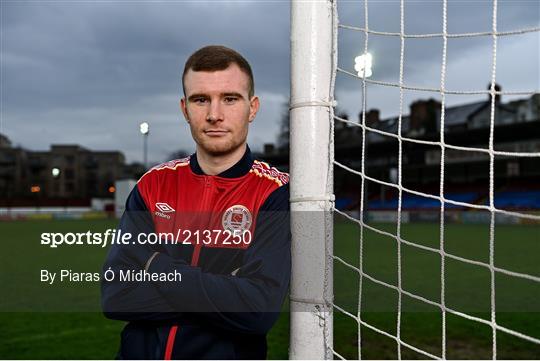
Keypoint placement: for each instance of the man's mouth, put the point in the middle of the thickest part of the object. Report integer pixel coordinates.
(215, 132)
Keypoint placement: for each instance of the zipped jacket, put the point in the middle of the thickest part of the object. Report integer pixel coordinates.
(213, 284)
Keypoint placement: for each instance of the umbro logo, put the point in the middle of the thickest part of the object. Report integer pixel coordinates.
(163, 209)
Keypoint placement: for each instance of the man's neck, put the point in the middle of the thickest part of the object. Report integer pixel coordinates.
(216, 164)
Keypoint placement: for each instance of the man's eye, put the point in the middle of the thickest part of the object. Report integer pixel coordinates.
(199, 100)
(230, 99)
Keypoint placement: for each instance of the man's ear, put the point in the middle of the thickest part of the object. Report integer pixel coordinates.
(183, 106)
(253, 107)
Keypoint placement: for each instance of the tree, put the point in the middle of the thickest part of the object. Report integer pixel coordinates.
(284, 130)
(178, 154)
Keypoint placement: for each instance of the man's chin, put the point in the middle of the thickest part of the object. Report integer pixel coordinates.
(220, 149)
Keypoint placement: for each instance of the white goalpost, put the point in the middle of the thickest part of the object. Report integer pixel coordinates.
(314, 34)
(311, 192)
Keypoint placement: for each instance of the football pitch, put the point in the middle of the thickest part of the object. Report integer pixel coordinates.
(88, 335)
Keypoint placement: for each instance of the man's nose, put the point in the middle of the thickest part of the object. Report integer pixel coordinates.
(214, 112)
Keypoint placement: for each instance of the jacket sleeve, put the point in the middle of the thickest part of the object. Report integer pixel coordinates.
(251, 300)
(132, 301)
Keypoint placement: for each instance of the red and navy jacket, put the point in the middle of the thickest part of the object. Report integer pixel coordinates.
(231, 292)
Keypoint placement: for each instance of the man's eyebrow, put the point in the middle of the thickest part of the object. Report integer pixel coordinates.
(233, 94)
(205, 96)
(197, 95)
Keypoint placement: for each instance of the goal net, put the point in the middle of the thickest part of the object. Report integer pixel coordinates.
(418, 235)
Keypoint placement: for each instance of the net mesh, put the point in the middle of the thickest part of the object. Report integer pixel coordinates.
(398, 236)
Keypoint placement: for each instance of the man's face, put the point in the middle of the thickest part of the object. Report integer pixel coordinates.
(218, 109)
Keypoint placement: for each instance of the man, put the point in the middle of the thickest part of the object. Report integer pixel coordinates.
(231, 214)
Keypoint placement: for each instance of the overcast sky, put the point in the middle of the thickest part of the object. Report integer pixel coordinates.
(88, 73)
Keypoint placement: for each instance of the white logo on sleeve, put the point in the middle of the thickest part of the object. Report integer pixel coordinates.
(163, 209)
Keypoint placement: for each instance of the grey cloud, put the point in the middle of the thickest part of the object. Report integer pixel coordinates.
(81, 72)
(87, 73)
(468, 62)
(113, 52)
(423, 17)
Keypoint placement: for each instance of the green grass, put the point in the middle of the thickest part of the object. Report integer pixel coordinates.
(28, 331)
(77, 330)
(467, 290)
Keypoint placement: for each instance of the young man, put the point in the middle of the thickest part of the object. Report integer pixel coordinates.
(228, 216)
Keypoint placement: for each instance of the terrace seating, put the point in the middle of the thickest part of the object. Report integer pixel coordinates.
(529, 199)
(412, 201)
(526, 196)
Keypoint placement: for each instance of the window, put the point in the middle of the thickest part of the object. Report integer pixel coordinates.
(512, 169)
(70, 187)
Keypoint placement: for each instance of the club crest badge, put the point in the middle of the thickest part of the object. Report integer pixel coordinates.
(236, 218)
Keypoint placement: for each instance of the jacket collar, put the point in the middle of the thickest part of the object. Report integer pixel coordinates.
(239, 169)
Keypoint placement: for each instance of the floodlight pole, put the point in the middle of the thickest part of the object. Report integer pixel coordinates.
(145, 146)
(144, 128)
(311, 184)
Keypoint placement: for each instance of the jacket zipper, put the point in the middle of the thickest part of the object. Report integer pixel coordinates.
(170, 342)
(194, 262)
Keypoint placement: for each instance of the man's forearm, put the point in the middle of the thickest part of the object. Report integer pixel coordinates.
(246, 304)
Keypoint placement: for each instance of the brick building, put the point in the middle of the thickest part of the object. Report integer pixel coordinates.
(63, 172)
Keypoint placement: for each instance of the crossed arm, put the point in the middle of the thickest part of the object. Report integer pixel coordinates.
(248, 301)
